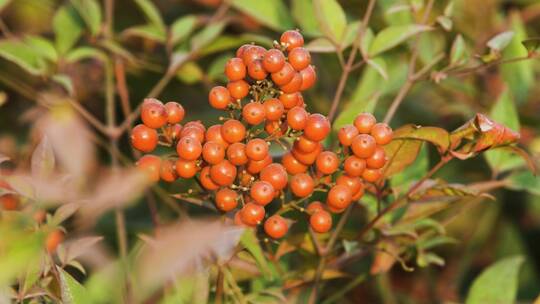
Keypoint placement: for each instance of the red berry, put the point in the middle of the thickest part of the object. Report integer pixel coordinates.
(223, 173)
(364, 122)
(292, 39)
(186, 168)
(219, 97)
(53, 240)
(189, 148)
(168, 171)
(314, 207)
(292, 165)
(276, 227)
(257, 149)
(256, 166)
(154, 114)
(294, 85)
(235, 69)
(317, 127)
(238, 89)
(320, 221)
(144, 138)
(346, 134)
(254, 113)
(382, 133)
(339, 197)
(273, 109)
(151, 165)
(236, 154)
(363, 145)
(297, 118)
(302, 185)
(273, 60)
(214, 134)
(289, 100)
(262, 192)
(206, 179)
(175, 112)
(253, 53)
(226, 199)
(276, 175)
(377, 160)
(354, 166)
(252, 214)
(299, 58)
(371, 175)
(213, 153)
(284, 75)
(233, 131)
(309, 77)
(327, 162)
(256, 70)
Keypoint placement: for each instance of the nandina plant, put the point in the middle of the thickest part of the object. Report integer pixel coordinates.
(248, 183)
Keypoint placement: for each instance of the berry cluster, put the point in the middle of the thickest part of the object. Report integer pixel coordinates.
(232, 161)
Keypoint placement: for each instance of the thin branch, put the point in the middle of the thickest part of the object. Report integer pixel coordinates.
(467, 71)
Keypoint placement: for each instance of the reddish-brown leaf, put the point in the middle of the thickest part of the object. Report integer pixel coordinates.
(401, 153)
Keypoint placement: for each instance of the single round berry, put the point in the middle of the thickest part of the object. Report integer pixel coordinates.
(153, 114)
(292, 165)
(275, 128)
(9, 202)
(273, 60)
(168, 171)
(289, 101)
(371, 175)
(292, 39)
(273, 109)
(276, 227)
(276, 175)
(256, 70)
(240, 51)
(223, 173)
(314, 207)
(297, 118)
(175, 112)
(382, 133)
(307, 158)
(206, 179)
(173, 131)
(317, 127)
(257, 149)
(364, 122)
(193, 132)
(309, 77)
(305, 145)
(214, 134)
(143, 138)
(236, 154)
(336, 210)
(53, 240)
(363, 146)
(346, 135)
(320, 221)
(213, 153)
(186, 168)
(195, 124)
(284, 75)
(299, 58)
(151, 166)
(256, 166)
(226, 199)
(235, 69)
(219, 97)
(238, 89)
(377, 160)
(354, 166)
(189, 148)
(254, 113)
(302, 185)
(253, 53)
(292, 86)
(354, 184)
(233, 131)
(327, 162)
(339, 197)
(262, 192)
(252, 214)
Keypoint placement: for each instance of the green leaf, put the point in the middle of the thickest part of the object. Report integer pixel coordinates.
(227, 42)
(215, 71)
(497, 284)
(504, 111)
(207, 35)
(4, 3)
(272, 13)
(500, 41)
(401, 153)
(72, 291)
(152, 14)
(181, 28)
(434, 135)
(44, 47)
(413, 173)
(524, 180)
(518, 75)
(22, 55)
(90, 11)
(85, 52)
(380, 66)
(392, 36)
(304, 15)
(65, 81)
(190, 73)
(251, 243)
(321, 45)
(445, 22)
(147, 31)
(531, 44)
(458, 52)
(331, 18)
(67, 26)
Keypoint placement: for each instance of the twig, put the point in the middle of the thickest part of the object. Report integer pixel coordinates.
(350, 61)
(467, 71)
(5, 29)
(219, 285)
(412, 76)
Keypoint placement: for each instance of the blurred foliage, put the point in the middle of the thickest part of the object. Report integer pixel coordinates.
(61, 62)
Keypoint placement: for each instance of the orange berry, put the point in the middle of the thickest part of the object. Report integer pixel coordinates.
(377, 160)
(292, 39)
(284, 75)
(238, 89)
(354, 166)
(314, 207)
(307, 158)
(206, 180)
(253, 53)
(382, 133)
(219, 97)
(273, 60)
(275, 174)
(354, 184)
(297, 118)
(327, 162)
(193, 132)
(276, 227)
(305, 145)
(9, 202)
(213, 153)
(223, 173)
(320, 221)
(302, 185)
(233, 131)
(175, 112)
(294, 85)
(153, 114)
(236, 154)
(292, 165)
(275, 128)
(257, 149)
(214, 134)
(53, 240)
(226, 199)
(168, 171)
(186, 168)
(143, 138)
(309, 77)
(235, 69)
(254, 113)
(256, 70)
(289, 101)
(174, 131)
(242, 49)
(252, 214)
(339, 197)
(299, 58)
(371, 175)
(256, 166)
(317, 127)
(346, 135)
(363, 146)
(364, 122)
(262, 192)
(273, 109)
(189, 148)
(151, 165)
